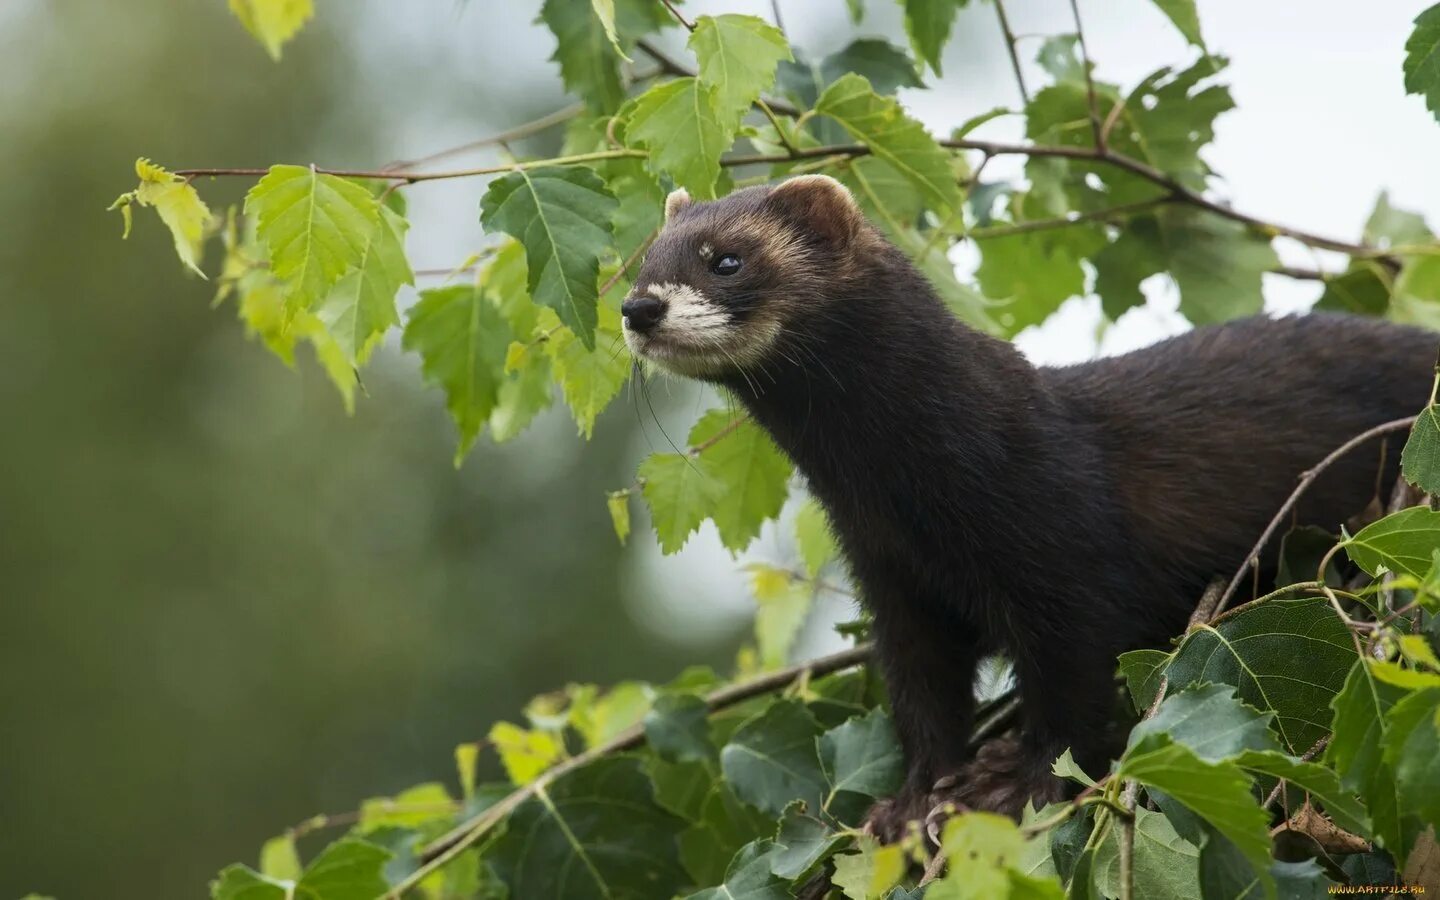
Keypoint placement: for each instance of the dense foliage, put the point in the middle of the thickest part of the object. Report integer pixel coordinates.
(1284, 744)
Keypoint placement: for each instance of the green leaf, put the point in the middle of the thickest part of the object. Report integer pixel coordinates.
(1364, 288)
(605, 12)
(1134, 255)
(737, 56)
(1356, 753)
(317, 227)
(1034, 272)
(984, 852)
(813, 537)
(928, 23)
(749, 472)
(749, 877)
(348, 869)
(1402, 542)
(239, 882)
(1412, 750)
(1066, 767)
(881, 124)
(177, 203)
(589, 61)
(590, 378)
(722, 828)
(1182, 13)
(1321, 783)
(802, 843)
(461, 339)
(1285, 656)
(561, 214)
(594, 832)
(1219, 793)
(1216, 263)
(863, 756)
(1210, 721)
(524, 393)
(680, 495)
(1420, 460)
(1165, 864)
(677, 123)
(1422, 59)
(884, 65)
(870, 873)
(772, 761)
(467, 758)
(676, 728)
(1389, 226)
(1142, 670)
(360, 308)
(273, 22)
(784, 602)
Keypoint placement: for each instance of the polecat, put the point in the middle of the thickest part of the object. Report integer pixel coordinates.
(1058, 515)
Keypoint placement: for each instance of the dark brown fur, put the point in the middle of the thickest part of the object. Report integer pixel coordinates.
(1058, 515)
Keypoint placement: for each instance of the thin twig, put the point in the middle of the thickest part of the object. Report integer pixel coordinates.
(1306, 480)
(415, 177)
(1119, 210)
(1306, 757)
(534, 126)
(779, 20)
(1128, 795)
(445, 848)
(1010, 42)
(1095, 123)
(689, 25)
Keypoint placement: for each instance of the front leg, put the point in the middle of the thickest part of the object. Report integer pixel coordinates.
(1067, 695)
(929, 668)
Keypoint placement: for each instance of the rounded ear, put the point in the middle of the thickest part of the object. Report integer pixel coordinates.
(821, 204)
(678, 200)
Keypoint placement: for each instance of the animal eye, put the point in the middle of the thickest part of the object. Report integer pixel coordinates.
(725, 264)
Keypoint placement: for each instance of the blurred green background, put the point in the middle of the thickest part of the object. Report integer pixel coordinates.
(224, 605)
(227, 606)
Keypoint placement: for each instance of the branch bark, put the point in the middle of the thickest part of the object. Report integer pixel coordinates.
(1306, 480)
(447, 847)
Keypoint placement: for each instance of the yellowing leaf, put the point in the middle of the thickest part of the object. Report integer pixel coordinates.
(467, 758)
(813, 537)
(279, 859)
(782, 605)
(618, 502)
(273, 22)
(410, 808)
(316, 227)
(871, 873)
(525, 754)
(178, 205)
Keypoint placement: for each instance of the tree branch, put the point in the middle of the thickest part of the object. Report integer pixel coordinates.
(519, 132)
(415, 177)
(1306, 480)
(1095, 124)
(445, 848)
(1010, 41)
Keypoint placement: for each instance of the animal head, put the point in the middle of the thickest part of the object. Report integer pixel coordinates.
(725, 281)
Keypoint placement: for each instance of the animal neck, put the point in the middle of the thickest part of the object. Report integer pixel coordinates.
(886, 387)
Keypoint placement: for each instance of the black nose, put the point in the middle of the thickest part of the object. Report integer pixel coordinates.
(642, 313)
